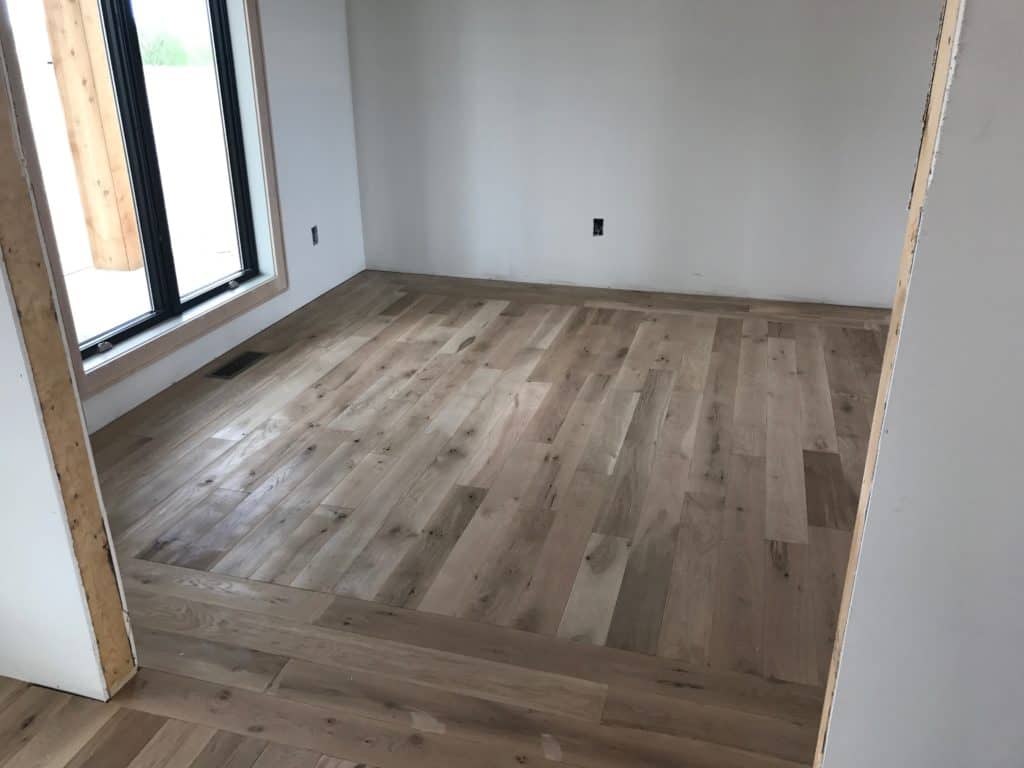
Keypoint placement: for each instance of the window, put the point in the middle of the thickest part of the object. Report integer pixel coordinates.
(173, 77)
(135, 112)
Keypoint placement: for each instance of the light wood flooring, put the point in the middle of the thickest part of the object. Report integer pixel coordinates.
(581, 526)
(238, 673)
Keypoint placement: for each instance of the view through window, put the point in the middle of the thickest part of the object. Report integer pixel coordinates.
(134, 111)
(184, 102)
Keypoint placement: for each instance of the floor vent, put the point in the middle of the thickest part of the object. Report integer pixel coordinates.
(237, 364)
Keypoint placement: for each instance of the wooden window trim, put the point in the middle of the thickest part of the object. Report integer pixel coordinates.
(130, 356)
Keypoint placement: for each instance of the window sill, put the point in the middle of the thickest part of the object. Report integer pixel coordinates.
(102, 371)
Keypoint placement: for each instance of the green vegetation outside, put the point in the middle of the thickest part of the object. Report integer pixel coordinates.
(163, 50)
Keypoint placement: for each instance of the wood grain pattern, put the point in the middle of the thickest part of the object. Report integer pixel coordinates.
(400, 702)
(445, 542)
(588, 614)
(94, 132)
(32, 292)
(458, 447)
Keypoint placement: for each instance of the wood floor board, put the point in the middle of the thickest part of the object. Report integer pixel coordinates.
(548, 419)
(737, 625)
(476, 640)
(230, 750)
(62, 735)
(541, 604)
(303, 726)
(412, 576)
(254, 455)
(828, 554)
(790, 647)
(831, 503)
(482, 466)
(284, 565)
(301, 501)
(278, 756)
(749, 422)
(452, 588)
(175, 745)
(193, 524)
(119, 741)
(551, 483)
(713, 444)
(558, 740)
(786, 500)
(818, 428)
(242, 468)
(620, 513)
(25, 715)
(289, 386)
(684, 632)
(588, 614)
(368, 397)
(207, 660)
(517, 336)
(367, 469)
(313, 715)
(605, 665)
(368, 517)
(265, 599)
(297, 463)
(647, 712)
(150, 532)
(474, 326)
(547, 478)
(497, 580)
(9, 689)
(648, 578)
(544, 691)
(609, 431)
(129, 507)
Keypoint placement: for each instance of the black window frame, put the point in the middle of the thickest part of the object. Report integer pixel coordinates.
(128, 76)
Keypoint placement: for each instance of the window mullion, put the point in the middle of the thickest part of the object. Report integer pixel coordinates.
(230, 110)
(140, 146)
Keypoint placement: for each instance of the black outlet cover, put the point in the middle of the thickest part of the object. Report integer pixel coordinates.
(598, 227)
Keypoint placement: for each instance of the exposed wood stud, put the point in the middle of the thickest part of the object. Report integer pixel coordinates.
(32, 291)
(945, 57)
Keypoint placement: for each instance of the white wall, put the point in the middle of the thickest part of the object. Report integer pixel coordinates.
(306, 50)
(735, 147)
(46, 634)
(932, 672)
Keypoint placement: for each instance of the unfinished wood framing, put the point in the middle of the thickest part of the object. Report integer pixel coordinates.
(32, 292)
(151, 346)
(94, 132)
(945, 58)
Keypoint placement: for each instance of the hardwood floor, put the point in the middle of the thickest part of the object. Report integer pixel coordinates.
(480, 523)
(240, 673)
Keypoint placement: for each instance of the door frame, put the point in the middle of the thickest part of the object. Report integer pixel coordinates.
(938, 94)
(23, 249)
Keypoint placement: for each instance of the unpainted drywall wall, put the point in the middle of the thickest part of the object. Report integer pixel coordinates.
(734, 147)
(931, 671)
(307, 67)
(46, 634)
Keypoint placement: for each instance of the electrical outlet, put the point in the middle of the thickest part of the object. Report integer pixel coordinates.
(598, 227)
(315, 231)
